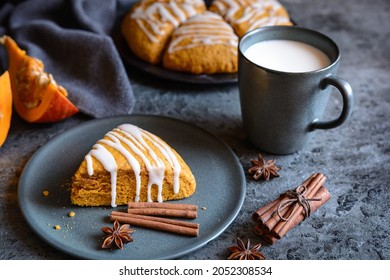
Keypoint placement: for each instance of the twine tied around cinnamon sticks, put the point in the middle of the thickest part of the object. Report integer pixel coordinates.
(278, 217)
(297, 197)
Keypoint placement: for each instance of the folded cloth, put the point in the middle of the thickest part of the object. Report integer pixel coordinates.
(72, 38)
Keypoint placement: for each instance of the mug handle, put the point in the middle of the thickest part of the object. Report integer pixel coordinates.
(347, 95)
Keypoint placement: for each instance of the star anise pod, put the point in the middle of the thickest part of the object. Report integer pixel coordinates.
(261, 169)
(118, 235)
(242, 252)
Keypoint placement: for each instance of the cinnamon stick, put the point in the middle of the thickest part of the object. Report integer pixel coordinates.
(165, 205)
(158, 219)
(258, 216)
(265, 236)
(162, 224)
(275, 219)
(188, 214)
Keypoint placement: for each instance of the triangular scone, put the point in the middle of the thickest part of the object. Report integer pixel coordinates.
(131, 164)
(204, 44)
(149, 24)
(246, 15)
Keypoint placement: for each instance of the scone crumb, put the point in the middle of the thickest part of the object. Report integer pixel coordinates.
(57, 227)
(71, 214)
(45, 193)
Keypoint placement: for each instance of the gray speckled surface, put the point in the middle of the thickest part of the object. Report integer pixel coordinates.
(354, 224)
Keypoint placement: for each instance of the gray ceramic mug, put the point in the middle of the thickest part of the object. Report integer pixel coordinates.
(280, 110)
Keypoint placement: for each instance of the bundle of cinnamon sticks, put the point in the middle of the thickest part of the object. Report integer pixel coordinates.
(155, 215)
(275, 219)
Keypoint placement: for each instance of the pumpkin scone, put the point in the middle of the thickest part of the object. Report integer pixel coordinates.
(149, 24)
(204, 44)
(131, 164)
(246, 15)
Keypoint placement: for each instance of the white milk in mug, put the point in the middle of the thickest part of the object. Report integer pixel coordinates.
(287, 56)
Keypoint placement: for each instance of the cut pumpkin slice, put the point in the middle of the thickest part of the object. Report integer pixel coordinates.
(5, 106)
(36, 95)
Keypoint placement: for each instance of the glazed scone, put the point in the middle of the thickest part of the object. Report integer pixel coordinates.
(204, 44)
(131, 164)
(149, 24)
(246, 15)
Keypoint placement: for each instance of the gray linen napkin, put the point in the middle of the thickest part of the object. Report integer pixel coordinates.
(72, 38)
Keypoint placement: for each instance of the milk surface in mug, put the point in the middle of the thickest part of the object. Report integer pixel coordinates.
(287, 56)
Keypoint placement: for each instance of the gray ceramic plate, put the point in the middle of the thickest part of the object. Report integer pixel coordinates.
(220, 188)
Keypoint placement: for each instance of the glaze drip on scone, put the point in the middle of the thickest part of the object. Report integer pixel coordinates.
(203, 29)
(152, 17)
(126, 138)
(261, 14)
(101, 154)
(251, 13)
(230, 8)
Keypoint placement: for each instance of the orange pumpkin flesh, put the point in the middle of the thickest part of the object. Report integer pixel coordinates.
(36, 95)
(5, 106)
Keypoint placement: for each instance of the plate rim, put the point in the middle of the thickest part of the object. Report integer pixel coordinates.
(87, 255)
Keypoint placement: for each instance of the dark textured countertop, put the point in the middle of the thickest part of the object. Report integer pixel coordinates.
(355, 157)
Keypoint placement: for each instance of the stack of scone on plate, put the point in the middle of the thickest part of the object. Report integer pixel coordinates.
(184, 36)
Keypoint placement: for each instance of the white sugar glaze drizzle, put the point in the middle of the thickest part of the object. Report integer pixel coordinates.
(158, 14)
(268, 21)
(108, 161)
(204, 29)
(170, 156)
(115, 143)
(252, 10)
(129, 137)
